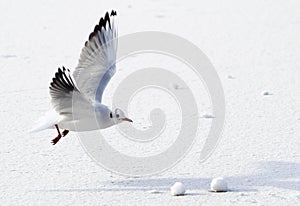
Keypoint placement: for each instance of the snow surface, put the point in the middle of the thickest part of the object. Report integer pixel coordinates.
(256, 42)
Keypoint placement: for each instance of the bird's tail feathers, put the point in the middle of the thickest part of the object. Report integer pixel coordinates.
(46, 122)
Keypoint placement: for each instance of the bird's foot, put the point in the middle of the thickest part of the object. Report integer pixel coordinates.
(56, 139)
(65, 132)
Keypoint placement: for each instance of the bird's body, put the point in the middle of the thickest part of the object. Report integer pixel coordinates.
(94, 118)
(76, 99)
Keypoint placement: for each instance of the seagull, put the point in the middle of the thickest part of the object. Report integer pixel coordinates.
(76, 98)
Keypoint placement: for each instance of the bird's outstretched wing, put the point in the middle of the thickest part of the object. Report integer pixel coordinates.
(64, 93)
(97, 63)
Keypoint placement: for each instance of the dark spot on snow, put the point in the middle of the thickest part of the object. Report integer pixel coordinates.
(208, 116)
(8, 56)
(219, 191)
(160, 16)
(230, 77)
(267, 93)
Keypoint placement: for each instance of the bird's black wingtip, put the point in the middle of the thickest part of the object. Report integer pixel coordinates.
(113, 13)
(62, 82)
(102, 22)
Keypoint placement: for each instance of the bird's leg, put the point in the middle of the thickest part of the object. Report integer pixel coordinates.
(65, 132)
(56, 139)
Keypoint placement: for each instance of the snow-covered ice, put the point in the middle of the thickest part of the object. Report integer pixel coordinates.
(255, 41)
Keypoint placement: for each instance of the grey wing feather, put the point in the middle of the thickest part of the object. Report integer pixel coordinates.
(97, 63)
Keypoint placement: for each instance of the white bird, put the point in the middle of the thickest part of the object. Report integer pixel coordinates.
(76, 99)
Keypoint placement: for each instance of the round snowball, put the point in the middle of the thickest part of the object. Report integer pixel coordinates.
(218, 185)
(177, 189)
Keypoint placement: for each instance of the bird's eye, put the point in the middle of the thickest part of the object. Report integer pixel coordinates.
(117, 115)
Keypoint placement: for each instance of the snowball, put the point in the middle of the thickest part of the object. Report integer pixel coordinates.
(177, 189)
(218, 185)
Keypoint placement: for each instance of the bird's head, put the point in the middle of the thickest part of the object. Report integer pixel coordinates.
(118, 116)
